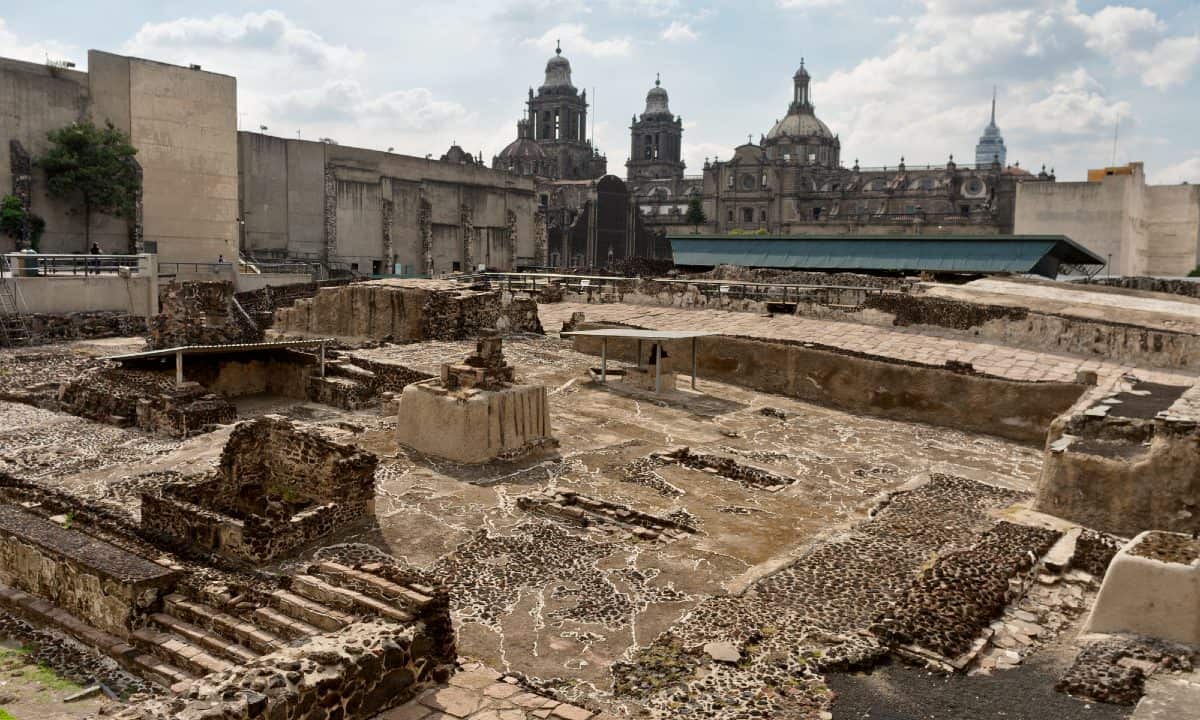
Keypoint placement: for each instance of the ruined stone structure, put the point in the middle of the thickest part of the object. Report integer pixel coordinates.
(380, 213)
(278, 487)
(474, 412)
(182, 121)
(146, 399)
(200, 313)
(407, 311)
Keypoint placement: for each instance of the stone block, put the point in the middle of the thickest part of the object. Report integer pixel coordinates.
(476, 426)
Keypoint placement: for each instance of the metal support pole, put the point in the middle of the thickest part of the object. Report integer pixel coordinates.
(322, 358)
(693, 363)
(178, 368)
(604, 360)
(657, 367)
(639, 354)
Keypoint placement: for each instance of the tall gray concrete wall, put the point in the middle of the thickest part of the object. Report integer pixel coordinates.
(364, 207)
(183, 123)
(1145, 229)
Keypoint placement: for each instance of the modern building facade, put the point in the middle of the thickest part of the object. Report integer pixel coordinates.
(991, 147)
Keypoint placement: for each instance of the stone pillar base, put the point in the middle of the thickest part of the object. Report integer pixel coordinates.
(473, 426)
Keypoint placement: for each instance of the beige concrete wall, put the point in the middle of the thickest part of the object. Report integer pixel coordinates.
(184, 124)
(283, 198)
(82, 293)
(34, 100)
(1147, 230)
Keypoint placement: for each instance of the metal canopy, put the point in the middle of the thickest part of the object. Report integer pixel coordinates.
(640, 334)
(227, 349)
(656, 339)
(1025, 254)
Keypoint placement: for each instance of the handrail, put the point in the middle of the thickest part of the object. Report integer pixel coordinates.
(22, 264)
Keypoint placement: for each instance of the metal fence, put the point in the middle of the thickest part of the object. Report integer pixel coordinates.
(45, 265)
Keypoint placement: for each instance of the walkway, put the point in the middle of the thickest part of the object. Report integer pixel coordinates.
(898, 343)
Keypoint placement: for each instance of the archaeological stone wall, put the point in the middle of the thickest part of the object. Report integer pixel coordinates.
(407, 311)
(261, 304)
(98, 582)
(951, 396)
(200, 313)
(278, 486)
(48, 328)
(351, 674)
(143, 398)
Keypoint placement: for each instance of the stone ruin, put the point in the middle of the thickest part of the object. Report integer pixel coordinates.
(200, 313)
(147, 400)
(474, 412)
(278, 487)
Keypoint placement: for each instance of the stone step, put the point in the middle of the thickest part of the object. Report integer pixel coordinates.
(212, 642)
(259, 639)
(177, 651)
(317, 589)
(309, 610)
(283, 625)
(373, 585)
(160, 672)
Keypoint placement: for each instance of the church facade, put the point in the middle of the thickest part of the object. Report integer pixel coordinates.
(793, 181)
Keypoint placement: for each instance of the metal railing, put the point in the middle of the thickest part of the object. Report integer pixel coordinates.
(172, 269)
(789, 293)
(48, 265)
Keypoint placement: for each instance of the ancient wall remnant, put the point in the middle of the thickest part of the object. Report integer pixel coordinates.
(1151, 590)
(200, 313)
(951, 395)
(1126, 462)
(474, 412)
(278, 487)
(352, 674)
(92, 579)
(407, 311)
(146, 399)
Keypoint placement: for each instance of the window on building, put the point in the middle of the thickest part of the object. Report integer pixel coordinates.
(557, 126)
(544, 200)
(816, 213)
(376, 267)
(910, 209)
(729, 215)
(546, 125)
(729, 181)
(764, 179)
(456, 266)
(748, 215)
(762, 215)
(964, 210)
(354, 267)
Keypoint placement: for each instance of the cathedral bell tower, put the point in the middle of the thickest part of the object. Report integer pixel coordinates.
(656, 140)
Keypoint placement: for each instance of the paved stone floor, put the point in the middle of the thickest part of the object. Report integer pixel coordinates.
(899, 343)
(480, 693)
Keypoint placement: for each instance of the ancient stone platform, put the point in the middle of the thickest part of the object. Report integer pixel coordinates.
(1152, 589)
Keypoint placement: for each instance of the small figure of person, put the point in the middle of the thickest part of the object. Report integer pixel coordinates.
(95, 263)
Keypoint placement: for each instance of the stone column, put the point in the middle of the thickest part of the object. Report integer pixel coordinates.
(22, 182)
(389, 212)
(329, 248)
(425, 224)
(468, 236)
(541, 238)
(510, 218)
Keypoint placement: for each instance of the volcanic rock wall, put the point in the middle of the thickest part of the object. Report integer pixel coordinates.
(407, 311)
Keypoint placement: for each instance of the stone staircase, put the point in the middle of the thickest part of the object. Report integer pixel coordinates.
(191, 638)
(345, 386)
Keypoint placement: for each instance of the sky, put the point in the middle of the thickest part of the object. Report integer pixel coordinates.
(1079, 83)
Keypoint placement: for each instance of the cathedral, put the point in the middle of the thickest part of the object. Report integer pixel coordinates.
(793, 181)
(552, 138)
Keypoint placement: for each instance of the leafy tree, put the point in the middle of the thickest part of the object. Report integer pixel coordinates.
(1195, 273)
(12, 218)
(695, 214)
(95, 165)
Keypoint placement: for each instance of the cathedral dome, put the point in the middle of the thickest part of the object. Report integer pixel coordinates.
(558, 71)
(800, 125)
(523, 149)
(657, 100)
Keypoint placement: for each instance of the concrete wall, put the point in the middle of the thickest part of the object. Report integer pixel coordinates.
(283, 196)
(1146, 229)
(183, 123)
(35, 99)
(79, 293)
(870, 385)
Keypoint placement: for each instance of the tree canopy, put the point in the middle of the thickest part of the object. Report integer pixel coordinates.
(695, 213)
(96, 165)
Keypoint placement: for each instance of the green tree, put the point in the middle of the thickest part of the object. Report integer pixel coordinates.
(13, 218)
(1195, 273)
(97, 166)
(695, 214)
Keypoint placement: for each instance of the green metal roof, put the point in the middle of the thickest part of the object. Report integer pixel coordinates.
(1028, 254)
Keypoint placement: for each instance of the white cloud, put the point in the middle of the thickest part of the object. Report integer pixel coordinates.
(651, 8)
(808, 4)
(13, 47)
(574, 41)
(679, 32)
(269, 32)
(1183, 171)
(1169, 63)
